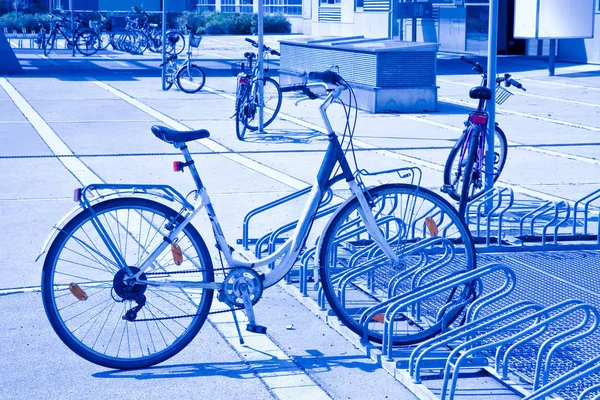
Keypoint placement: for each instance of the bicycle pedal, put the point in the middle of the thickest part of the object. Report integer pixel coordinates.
(256, 328)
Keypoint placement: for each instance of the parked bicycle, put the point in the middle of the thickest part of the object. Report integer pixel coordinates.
(246, 95)
(465, 169)
(128, 282)
(189, 77)
(85, 40)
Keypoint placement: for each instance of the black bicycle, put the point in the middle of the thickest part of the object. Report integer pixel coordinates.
(85, 39)
(465, 167)
(247, 101)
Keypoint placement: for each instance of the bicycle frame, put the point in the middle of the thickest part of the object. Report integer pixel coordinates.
(291, 249)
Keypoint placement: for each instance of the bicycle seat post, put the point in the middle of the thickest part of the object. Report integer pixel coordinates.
(189, 162)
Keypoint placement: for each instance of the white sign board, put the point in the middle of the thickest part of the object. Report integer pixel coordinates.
(554, 19)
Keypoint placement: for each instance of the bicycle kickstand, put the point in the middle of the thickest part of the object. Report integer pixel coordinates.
(252, 326)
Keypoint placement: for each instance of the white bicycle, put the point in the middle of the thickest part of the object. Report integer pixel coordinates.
(128, 281)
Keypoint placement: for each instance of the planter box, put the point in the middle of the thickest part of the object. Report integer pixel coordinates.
(386, 75)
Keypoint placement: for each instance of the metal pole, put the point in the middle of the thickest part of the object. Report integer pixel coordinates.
(72, 27)
(491, 105)
(163, 70)
(552, 59)
(414, 23)
(261, 69)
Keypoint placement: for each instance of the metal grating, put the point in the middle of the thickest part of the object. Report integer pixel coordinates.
(406, 69)
(548, 278)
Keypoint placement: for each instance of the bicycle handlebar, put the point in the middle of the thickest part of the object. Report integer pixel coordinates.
(327, 76)
(300, 88)
(476, 66)
(273, 52)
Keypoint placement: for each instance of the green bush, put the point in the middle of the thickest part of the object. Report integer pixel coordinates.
(214, 23)
(18, 21)
(200, 21)
(273, 24)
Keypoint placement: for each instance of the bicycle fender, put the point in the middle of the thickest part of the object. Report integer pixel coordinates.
(71, 214)
(56, 229)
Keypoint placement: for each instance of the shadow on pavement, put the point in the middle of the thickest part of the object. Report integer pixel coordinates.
(244, 370)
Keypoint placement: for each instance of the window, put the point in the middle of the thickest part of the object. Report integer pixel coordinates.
(330, 2)
(286, 7)
(206, 5)
(228, 6)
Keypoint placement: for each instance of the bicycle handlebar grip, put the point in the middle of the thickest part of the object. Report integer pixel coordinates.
(516, 84)
(325, 76)
(293, 88)
(252, 41)
(275, 53)
(466, 60)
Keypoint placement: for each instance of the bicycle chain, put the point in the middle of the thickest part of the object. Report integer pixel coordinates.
(185, 315)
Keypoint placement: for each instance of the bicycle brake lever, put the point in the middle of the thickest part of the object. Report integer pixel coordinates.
(301, 100)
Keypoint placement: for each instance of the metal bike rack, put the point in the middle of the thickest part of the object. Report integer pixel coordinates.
(500, 223)
(245, 241)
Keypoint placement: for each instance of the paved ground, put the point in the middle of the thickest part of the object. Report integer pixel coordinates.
(101, 110)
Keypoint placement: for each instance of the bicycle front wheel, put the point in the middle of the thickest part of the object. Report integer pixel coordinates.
(360, 282)
(272, 101)
(453, 170)
(86, 295)
(87, 42)
(190, 78)
(49, 45)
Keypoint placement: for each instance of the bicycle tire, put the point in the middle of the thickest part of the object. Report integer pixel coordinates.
(273, 98)
(141, 42)
(241, 111)
(49, 43)
(356, 276)
(87, 42)
(190, 79)
(468, 180)
(500, 155)
(88, 317)
(175, 47)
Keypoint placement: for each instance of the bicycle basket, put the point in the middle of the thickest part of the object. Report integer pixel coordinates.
(195, 40)
(502, 94)
(238, 68)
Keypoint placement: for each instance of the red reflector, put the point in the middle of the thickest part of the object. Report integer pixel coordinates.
(478, 119)
(77, 195)
(178, 166)
(244, 80)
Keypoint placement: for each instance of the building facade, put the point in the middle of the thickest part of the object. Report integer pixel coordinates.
(457, 25)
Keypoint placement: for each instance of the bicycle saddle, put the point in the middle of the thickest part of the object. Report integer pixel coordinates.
(172, 136)
(249, 54)
(480, 92)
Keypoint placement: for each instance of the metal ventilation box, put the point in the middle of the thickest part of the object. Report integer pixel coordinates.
(386, 75)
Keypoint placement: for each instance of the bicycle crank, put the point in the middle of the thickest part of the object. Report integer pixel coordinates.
(243, 288)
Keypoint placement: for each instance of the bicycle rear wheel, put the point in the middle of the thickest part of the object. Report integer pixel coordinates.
(242, 105)
(87, 42)
(453, 175)
(175, 42)
(190, 79)
(85, 293)
(425, 232)
(272, 100)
